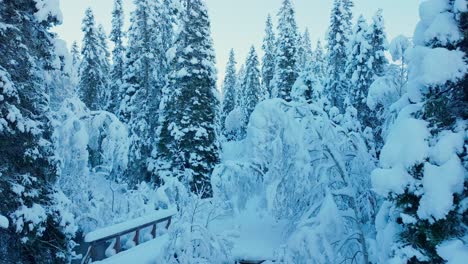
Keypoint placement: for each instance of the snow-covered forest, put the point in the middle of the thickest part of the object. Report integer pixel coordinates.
(349, 150)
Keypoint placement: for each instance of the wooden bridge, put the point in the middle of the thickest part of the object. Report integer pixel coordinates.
(101, 240)
(105, 245)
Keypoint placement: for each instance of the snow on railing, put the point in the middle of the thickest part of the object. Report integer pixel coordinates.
(98, 238)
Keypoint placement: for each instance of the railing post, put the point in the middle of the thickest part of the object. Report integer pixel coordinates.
(117, 245)
(153, 230)
(169, 222)
(136, 239)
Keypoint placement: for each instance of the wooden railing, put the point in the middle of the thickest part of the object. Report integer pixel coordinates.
(98, 240)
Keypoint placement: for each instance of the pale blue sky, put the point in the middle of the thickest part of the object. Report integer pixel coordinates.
(240, 23)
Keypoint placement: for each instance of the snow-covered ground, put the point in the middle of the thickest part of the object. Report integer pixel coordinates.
(256, 235)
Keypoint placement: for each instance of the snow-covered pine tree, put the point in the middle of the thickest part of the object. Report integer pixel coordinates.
(144, 79)
(379, 44)
(229, 90)
(27, 165)
(240, 79)
(304, 52)
(269, 57)
(286, 71)
(359, 71)
(93, 76)
(75, 61)
(252, 92)
(75, 53)
(188, 146)
(337, 39)
(117, 36)
(376, 66)
(106, 66)
(319, 62)
(423, 163)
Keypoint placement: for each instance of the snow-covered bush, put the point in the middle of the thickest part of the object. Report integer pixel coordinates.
(92, 147)
(307, 170)
(190, 239)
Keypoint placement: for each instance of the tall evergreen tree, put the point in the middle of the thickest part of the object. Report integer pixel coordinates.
(144, 79)
(359, 71)
(427, 208)
(269, 57)
(28, 168)
(75, 53)
(379, 44)
(229, 88)
(240, 80)
(305, 52)
(118, 56)
(188, 147)
(105, 65)
(252, 92)
(93, 76)
(76, 60)
(286, 71)
(318, 66)
(337, 39)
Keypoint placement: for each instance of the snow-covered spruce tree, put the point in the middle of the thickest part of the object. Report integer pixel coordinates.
(93, 68)
(38, 232)
(188, 146)
(269, 57)
(117, 36)
(252, 92)
(304, 52)
(337, 39)
(106, 67)
(144, 79)
(379, 44)
(423, 163)
(229, 90)
(359, 71)
(75, 53)
(286, 71)
(75, 64)
(319, 62)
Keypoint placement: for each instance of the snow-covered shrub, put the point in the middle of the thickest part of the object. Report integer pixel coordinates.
(92, 147)
(190, 239)
(307, 170)
(234, 124)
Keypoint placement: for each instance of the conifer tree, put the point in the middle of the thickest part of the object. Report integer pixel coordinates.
(359, 71)
(188, 147)
(240, 80)
(28, 168)
(305, 52)
(425, 207)
(229, 88)
(105, 66)
(144, 79)
(286, 71)
(337, 38)
(378, 42)
(252, 92)
(76, 60)
(75, 52)
(118, 53)
(318, 66)
(93, 76)
(269, 57)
